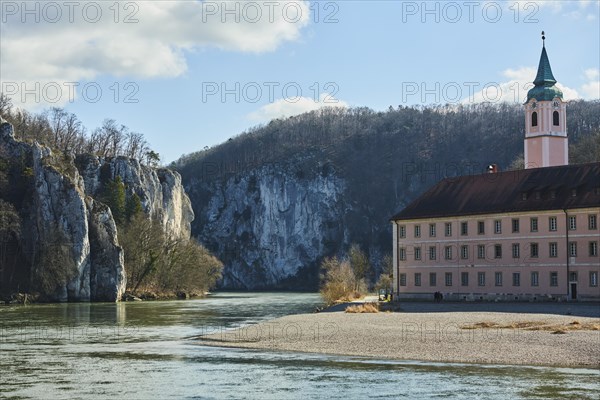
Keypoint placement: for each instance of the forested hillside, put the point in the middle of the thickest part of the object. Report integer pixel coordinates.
(275, 200)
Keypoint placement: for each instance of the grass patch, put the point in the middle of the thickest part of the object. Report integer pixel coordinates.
(538, 326)
(371, 308)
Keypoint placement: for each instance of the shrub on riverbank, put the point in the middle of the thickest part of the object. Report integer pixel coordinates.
(370, 308)
(339, 283)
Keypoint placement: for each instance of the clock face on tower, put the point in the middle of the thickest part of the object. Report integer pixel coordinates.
(556, 104)
(533, 105)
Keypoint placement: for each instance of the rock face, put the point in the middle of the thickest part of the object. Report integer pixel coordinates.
(106, 256)
(69, 239)
(270, 226)
(160, 190)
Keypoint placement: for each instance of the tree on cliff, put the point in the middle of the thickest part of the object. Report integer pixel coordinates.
(114, 197)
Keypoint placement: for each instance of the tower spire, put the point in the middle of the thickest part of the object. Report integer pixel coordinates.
(544, 83)
(543, 39)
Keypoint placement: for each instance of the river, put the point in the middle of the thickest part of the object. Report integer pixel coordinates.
(146, 350)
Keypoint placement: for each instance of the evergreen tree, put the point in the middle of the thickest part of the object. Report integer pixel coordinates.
(133, 207)
(114, 197)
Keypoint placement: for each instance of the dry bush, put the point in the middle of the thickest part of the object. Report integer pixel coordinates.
(372, 308)
(338, 281)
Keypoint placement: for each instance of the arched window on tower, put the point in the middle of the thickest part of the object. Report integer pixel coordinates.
(555, 118)
(534, 119)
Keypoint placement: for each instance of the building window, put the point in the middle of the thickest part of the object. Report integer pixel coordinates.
(402, 231)
(431, 230)
(417, 279)
(481, 278)
(537, 195)
(516, 250)
(553, 278)
(497, 226)
(593, 249)
(464, 279)
(497, 251)
(448, 252)
(481, 251)
(593, 278)
(432, 279)
(515, 225)
(553, 249)
(555, 118)
(592, 222)
(573, 249)
(533, 224)
(524, 196)
(573, 192)
(572, 223)
(480, 227)
(417, 231)
(573, 277)
(402, 279)
(464, 252)
(498, 278)
(417, 253)
(552, 223)
(402, 253)
(534, 250)
(535, 278)
(448, 278)
(534, 118)
(464, 228)
(516, 278)
(432, 253)
(448, 228)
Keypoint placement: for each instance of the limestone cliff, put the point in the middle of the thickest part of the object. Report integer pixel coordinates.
(270, 225)
(159, 189)
(68, 248)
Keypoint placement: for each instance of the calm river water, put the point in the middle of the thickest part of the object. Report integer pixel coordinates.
(146, 350)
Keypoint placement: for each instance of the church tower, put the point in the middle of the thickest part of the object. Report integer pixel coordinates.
(546, 143)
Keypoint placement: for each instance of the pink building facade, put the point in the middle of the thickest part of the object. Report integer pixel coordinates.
(531, 234)
(536, 255)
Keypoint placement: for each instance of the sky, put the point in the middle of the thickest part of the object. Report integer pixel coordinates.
(191, 74)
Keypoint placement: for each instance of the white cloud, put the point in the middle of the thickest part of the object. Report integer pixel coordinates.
(283, 108)
(591, 89)
(151, 44)
(515, 89)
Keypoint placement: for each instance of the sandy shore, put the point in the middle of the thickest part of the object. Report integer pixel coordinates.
(443, 337)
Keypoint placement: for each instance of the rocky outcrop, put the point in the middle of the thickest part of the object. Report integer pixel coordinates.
(69, 239)
(159, 189)
(270, 226)
(107, 275)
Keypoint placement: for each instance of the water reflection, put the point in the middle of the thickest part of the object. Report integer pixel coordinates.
(144, 350)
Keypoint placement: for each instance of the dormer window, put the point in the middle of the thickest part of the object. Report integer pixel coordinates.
(524, 196)
(573, 192)
(538, 195)
(553, 194)
(534, 121)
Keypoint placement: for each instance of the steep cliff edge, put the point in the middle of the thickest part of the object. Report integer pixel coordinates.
(270, 225)
(66, 246)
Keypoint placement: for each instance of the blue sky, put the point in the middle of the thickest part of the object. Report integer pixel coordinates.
(201, 72)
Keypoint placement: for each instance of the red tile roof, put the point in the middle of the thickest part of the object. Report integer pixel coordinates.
(550, 188)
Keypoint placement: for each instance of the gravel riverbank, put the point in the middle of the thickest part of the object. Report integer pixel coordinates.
(467, 337)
